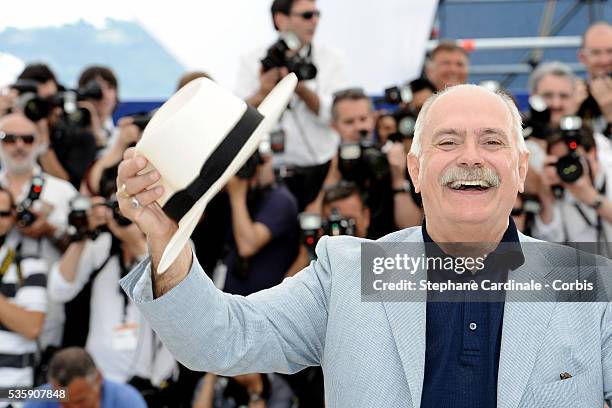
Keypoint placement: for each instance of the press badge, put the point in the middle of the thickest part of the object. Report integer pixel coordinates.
(125, 337)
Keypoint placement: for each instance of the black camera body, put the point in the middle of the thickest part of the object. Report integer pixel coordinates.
(569, 167)
(310, 227)
(36, 108)
(247, 171)
(78, 225)
(537, 122)
(336, 225)
(362, 161)
(142, 119)
(276, 57)
(406, 122)
(24, 216)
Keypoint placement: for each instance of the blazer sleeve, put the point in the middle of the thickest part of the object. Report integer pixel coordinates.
(281, 329)
(606, 355)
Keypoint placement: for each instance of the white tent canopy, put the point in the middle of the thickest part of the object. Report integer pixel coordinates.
(383, 42)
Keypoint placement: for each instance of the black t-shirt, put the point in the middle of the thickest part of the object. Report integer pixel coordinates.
(277, 209)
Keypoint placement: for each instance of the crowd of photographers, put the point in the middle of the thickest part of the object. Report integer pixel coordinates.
(334, 165)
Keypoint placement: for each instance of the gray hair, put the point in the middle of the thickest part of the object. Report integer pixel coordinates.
(555, 68)
(349, 94)
(69, 364)
(516, 120)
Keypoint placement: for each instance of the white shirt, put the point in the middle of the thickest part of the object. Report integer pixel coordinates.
(56, 195)
(31, 295)
(569, 225)
(309, 139)
(107, 313)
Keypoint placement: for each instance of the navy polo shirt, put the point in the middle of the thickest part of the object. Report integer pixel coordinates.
(463, 338)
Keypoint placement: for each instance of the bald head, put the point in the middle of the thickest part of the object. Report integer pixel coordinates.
(468, 101)
(596, 50)
(17, 123)
(468, 160)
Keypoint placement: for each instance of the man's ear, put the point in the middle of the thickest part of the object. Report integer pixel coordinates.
(281, 21)
(414, 169)
(334, 125)
(582, 56)
(523, 167)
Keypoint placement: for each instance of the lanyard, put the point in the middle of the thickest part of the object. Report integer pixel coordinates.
(601, 233)
(11, 256)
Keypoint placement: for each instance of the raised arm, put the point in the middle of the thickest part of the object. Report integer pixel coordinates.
(281, 329)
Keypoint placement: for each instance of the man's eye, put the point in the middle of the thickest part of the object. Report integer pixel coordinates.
(494, 143)
(447, 143)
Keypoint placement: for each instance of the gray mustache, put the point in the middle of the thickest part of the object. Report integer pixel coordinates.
(470, 174)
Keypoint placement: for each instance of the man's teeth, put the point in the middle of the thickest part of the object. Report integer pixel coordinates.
(460, 184)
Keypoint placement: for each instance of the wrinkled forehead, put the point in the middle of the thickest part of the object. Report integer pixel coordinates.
(467, 110)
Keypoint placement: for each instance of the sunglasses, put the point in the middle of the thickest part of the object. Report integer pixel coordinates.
(10, 138)
(307, 15)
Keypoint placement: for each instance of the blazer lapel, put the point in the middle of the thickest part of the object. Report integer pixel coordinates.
(407, 320)
(525, 322)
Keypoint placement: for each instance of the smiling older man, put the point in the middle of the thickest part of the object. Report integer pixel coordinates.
(469, 161)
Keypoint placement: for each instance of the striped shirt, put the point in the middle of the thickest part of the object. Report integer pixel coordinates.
(27, 290)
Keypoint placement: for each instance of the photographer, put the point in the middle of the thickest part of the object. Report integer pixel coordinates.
(345, 202)
(128, 132)
(596, 54)
(23, 303)
(264, 239)
(106, 104)
(575, 198)
(447, 65)
(41, 199)
(344, 212)
(105, 247)
(306, 141)
(555, 85)
(382, 174)
(250, 390)
(66, 121)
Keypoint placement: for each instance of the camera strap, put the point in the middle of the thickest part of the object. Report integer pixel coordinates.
(117, 249)
(12, 256)
(598, 223)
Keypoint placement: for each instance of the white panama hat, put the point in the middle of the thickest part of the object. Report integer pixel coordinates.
(197, 141)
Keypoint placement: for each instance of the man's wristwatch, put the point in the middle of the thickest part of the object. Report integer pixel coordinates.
(598, 202)
(406, 188)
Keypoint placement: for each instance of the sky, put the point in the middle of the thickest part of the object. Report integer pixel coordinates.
(383, 42)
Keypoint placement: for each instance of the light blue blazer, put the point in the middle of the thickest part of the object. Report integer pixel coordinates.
(373, 353)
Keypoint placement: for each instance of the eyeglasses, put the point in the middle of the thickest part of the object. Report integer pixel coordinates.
(4, 214)
(10, 138)
(308, 15)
